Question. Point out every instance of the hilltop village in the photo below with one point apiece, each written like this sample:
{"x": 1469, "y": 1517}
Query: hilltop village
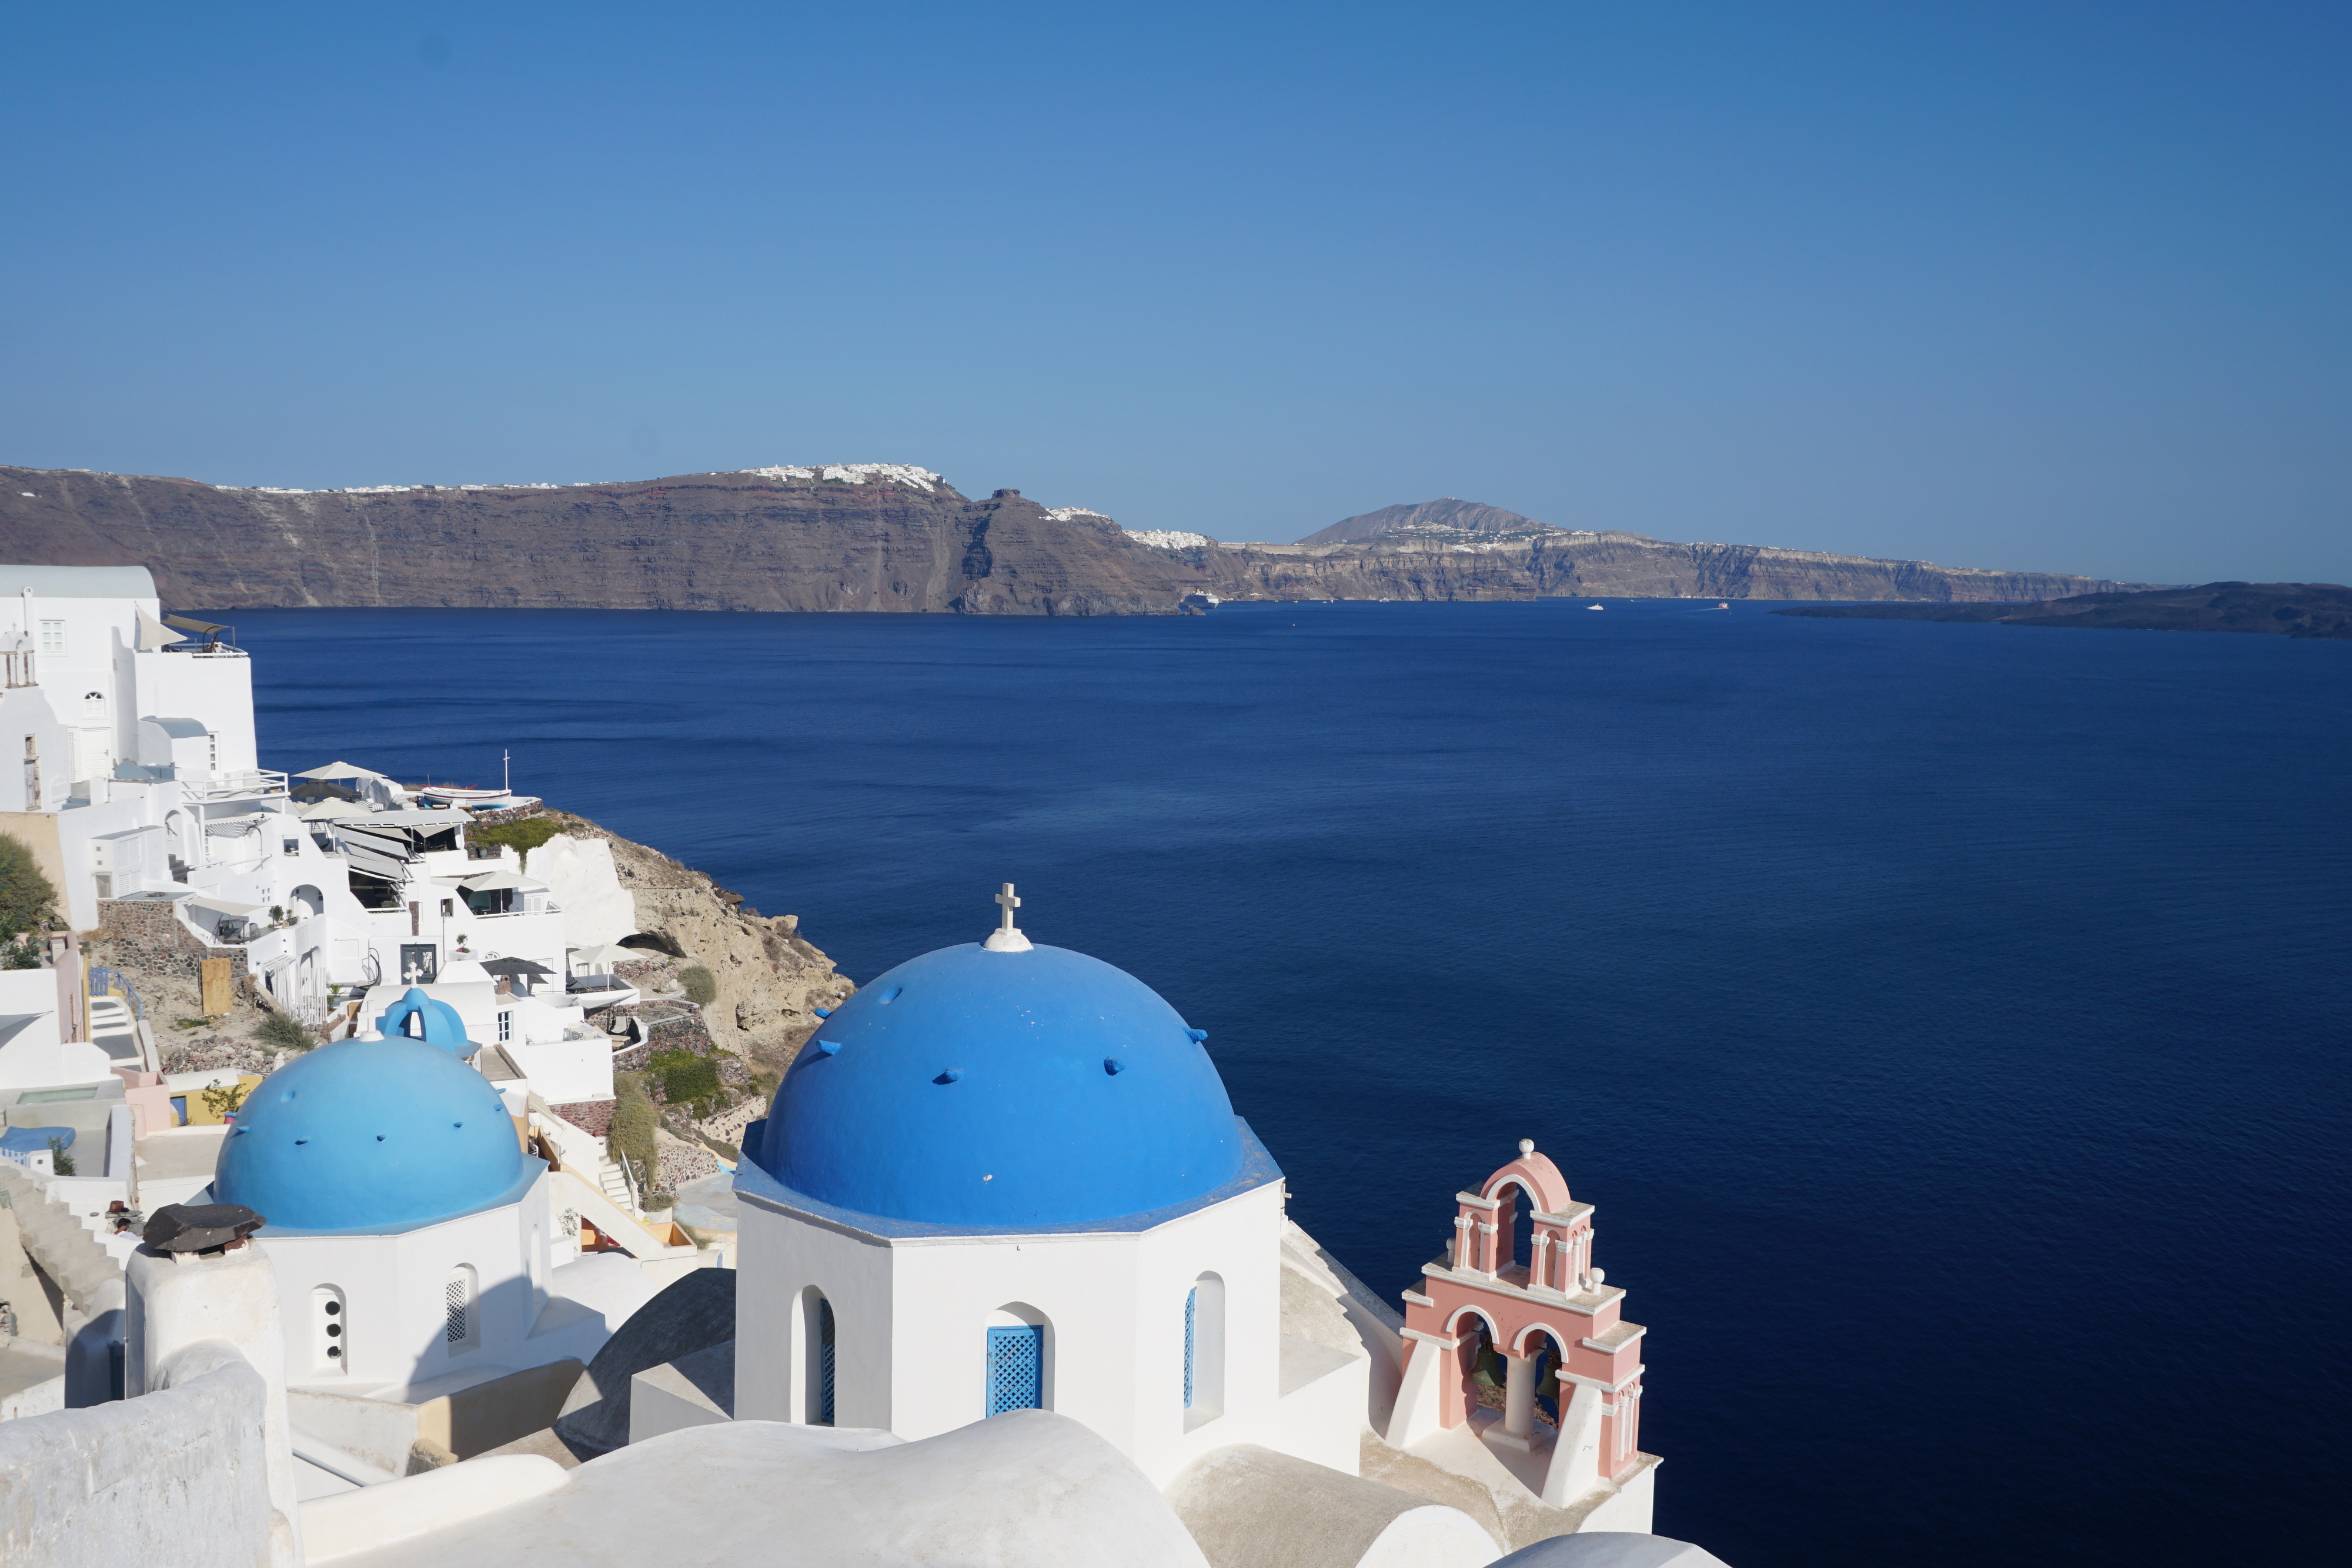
{"x": 400, "y": 1175}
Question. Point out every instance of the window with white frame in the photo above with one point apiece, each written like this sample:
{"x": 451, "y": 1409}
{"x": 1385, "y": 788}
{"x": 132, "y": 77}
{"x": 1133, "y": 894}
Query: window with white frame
{"x": 53, "y": 636}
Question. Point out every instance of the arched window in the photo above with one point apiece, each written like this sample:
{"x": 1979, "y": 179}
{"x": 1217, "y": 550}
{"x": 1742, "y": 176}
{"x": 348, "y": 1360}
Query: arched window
{"x": 1205, "y": 1351}
{"x": 462, "y": 1330}
{"x": 93, "y": 707}
{"x": 1019, "y": 1361}
{"x": 330, "y": 1332}
{"x": 819, "y": 1358}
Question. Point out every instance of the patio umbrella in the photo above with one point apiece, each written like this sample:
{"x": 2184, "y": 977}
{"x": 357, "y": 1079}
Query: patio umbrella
{"x": 327, "y": 810}
{"x": 339, "y": 770}
{"x": 606, "y": 954}
{"x": 515, "y": 967}
{"x": 491, "y": 880}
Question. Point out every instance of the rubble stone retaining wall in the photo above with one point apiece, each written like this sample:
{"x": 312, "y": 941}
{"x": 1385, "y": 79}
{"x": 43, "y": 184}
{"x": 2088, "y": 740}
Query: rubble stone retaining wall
{"x": 148, "y": 937}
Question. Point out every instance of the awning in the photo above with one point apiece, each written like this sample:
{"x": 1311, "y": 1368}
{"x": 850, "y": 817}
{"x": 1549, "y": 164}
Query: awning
{"x": 151, "y": 635}
{"x": 515, "y": 967}
{"x": 374, "y": 854}
{"x": 490, "y": 881}
{"x": 200, "y": 628}
{"x": 339, "y": 770}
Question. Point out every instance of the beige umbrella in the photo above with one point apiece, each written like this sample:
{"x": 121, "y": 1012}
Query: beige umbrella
{"x": 327, "y": 810}
{"x": 604, "y": 955}
{"x": 491, "y": 880}
{"x": 340, "y": 770}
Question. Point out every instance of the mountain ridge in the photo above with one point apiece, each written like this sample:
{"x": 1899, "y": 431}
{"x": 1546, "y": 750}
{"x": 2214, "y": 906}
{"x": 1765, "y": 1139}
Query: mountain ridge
{"x": 862, "y": 536}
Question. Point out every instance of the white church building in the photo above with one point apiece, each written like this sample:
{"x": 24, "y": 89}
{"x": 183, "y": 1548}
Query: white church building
{"x": 1007, "y": 1176}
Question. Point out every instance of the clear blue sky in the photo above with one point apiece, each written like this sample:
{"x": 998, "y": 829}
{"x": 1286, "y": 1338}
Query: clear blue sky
{"x": 2039, "y": 286}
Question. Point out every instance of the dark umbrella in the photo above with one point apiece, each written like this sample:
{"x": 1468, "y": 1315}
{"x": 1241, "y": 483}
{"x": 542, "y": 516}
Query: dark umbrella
{"x": 515, "y": 967}
{"x": 321, "y": 789}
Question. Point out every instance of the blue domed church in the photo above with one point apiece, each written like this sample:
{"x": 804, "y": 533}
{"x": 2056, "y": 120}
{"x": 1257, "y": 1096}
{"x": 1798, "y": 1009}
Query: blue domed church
{"x": 406, "y": 1225}
{"x": 1007, "y": 1176}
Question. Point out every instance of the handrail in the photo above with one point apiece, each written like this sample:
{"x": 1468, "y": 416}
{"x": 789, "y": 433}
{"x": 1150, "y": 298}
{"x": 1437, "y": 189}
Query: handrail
{"x": 107, "y": 982}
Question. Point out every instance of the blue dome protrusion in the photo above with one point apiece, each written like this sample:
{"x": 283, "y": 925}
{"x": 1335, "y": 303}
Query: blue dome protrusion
{"x": 437, "y": 1023}
{"x": 369, "y": 1135}
{"x": 1036, "y": 1131}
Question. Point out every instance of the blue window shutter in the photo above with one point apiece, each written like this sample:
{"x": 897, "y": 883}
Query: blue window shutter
{"x": 1017, "y": 1370}
{"x": 825, "y": 1363}
{"x": 1191, "y": 1305}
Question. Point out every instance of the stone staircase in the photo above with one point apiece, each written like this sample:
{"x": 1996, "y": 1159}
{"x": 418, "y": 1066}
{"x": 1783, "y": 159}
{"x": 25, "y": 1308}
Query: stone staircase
{"x": 616, "y": 1183}
{"x": 60, "y": 1241}
{"x": 114, "y": 1031}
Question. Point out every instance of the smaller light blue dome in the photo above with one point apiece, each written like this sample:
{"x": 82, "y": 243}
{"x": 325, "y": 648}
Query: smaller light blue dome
{"x": 371, "y": 1136}
{"x": 437, "y": 1023}
{"x": 1023, "y": 1090}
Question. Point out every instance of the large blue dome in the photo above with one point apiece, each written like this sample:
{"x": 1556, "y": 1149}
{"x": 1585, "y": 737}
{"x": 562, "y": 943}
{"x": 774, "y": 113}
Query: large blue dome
{"x": 1023, "y": 1090}
{"x": 369, "y": 1135}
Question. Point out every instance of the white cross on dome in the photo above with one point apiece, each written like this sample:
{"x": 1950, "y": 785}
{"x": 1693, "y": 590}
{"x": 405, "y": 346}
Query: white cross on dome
{"x": 1007, "y": 937}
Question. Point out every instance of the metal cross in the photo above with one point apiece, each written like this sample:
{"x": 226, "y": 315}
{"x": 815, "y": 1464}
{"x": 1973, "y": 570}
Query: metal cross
{"x": 1009, "y": 904}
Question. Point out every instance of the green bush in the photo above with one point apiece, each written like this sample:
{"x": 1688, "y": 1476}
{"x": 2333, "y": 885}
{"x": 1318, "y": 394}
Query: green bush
{"x": 701, "y": 985}
{"x": 522, "y": 837}
{"x": 686, "y": 1079}
{"x": 634, "y": 1120}
{"x": 20, "y": 953}
{"x": 60, "y": 1162}
{"x": 27, "y": 896}
{"x": 282, "y": 1032}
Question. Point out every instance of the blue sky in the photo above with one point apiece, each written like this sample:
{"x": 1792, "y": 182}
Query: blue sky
{"x": 2033, "y": 286}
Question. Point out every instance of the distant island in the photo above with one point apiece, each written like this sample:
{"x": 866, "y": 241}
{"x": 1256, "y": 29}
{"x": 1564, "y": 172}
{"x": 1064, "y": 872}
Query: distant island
{"x": 2279, "y": 608}
{"x": 871, "y": 537}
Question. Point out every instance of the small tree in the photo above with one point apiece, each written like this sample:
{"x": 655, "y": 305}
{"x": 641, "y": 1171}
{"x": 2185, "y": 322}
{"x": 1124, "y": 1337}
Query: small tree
{"x": 27, "y": 896}
{"x": 60, "y": 1162}
{"x": 223, "y": 1100}
{"x": 701, "y": 985}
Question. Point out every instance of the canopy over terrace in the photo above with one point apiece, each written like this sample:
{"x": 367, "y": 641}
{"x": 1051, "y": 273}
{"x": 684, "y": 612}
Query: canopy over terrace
{"x": 340, "y": 770}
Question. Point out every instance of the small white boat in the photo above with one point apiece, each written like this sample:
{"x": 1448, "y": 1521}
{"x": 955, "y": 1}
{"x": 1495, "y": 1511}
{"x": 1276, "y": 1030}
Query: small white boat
{"x": 1596, "y": 607}
{"x": 1725, "y": 605}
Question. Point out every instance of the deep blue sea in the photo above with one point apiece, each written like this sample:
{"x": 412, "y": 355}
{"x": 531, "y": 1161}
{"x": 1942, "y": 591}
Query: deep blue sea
{"x": 1950, "y": 1022}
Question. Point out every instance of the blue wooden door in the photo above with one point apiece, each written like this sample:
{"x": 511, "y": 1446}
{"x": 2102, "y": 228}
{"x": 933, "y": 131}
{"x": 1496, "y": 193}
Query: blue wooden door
{"x": 1017, "y": 1370}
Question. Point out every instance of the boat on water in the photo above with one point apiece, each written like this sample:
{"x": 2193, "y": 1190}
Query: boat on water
{"x": 1725, "y": 605}
{"x": 1596, "y": 607}
{"x": 475, "y": 799}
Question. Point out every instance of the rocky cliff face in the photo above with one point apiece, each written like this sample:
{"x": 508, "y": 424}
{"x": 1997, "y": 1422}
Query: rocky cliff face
{"x": 866, "y": 536}
{"x": 770, "y": 979}
{"x": 1604, "y": 565}
{"x": 761, "y": 540}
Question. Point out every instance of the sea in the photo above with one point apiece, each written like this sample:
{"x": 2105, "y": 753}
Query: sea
{"x": 1949, "y": 1022}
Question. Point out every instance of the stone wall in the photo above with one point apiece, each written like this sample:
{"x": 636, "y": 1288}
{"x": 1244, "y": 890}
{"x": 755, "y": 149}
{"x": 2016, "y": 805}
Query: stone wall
{"x": 149, "y": 938}
{"x": 590, "y": 1116}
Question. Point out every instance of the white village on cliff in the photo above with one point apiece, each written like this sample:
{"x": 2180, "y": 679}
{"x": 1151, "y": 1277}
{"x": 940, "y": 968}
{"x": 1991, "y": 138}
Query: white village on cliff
{"x": 990, "y": 1273}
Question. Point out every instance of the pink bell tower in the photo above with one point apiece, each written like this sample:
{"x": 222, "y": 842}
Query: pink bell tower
{"x": 1554, "y": 1321}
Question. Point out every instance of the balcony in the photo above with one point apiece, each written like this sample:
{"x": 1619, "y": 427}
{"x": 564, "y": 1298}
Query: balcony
{"x": 242, "y": 786}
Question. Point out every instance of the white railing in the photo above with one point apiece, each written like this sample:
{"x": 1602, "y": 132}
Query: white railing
{"x": 250, "y": 781}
